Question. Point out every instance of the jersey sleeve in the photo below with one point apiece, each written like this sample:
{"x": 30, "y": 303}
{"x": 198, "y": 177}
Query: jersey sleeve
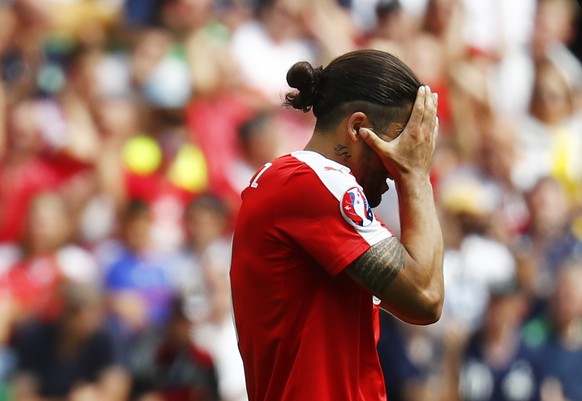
{"x": 328, "y": 216}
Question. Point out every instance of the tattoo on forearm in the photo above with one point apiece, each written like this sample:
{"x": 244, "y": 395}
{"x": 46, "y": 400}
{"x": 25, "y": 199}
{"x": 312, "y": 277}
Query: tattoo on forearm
{"x": 341, "y": 150}
{"x": 379, "y": 266}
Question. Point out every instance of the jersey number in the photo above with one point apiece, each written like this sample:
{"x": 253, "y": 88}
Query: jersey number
{"x": 255, "y": 182}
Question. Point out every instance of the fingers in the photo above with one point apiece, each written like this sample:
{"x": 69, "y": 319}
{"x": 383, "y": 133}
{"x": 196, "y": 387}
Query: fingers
{"x": 417, "y": 114}
{"x": 430, "y": 108}
{"x": 371, "y": 138}
{"x": 435, "y": 119}
{"x": 435, "y": 133}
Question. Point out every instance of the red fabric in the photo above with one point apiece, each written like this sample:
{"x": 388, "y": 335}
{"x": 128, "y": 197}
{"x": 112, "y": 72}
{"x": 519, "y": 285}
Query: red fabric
{"x": 306, "y": 332}
{"x": 18, "y": 185}
{"x": 66, "y": 167}
{"x": 34, "y": 285}
{"x": 152, "y": 187}
{"x": 444, "y": 107}
{"x": 213, "y": 124}
{"x": 166, "y": 355}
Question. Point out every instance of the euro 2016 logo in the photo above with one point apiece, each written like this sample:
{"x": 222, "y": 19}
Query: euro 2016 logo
{"x": 355, "y": 208}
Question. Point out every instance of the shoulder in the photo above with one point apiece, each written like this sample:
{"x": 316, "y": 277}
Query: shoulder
{"x": 301, "y": 168}
{"x": 336, "y": 177}
{"x": 306, "y": 177}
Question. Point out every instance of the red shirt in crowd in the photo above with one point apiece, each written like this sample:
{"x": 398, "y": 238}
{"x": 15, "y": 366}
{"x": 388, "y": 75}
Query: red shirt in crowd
{"x": 33, "y": 285}
{"x": 306, "y": 332}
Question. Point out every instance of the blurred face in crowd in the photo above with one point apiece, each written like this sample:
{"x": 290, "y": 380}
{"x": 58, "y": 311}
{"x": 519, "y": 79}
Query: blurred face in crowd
{"x": 263, "y": 143}
{"x": 23, "y": 135}
{"x": 548, "y": 207}
{"x": 8, "y": 25}
{"x": 497, "y": 149}
{"x": 117, "y": 118}
{"x": 150, "y": 50}
{"x": 82, "y": 75}
{"x": 204, "y": 225}
{"x": 184, "y": 15}
{"x": 391, "y": 25}
{"x": 425, "y": 56}
{"x": 505, "y": 310}
{"x": 87, "y": 319}
{"x": 438, "y": 15}
{"x": 137, "y": 231}
{"x": 83, "y": 310}
{"x": 567, "y": 297}
{"x": 553, "y": 23}
{"x": 48, "y": 223}
{"x": 282, "y": 19}
{"x": 551, "y": 99}
{"x": 179, "y": 329}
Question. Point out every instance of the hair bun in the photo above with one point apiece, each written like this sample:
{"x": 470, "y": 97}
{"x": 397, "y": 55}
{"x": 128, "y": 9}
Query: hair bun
{"x": 306, "y": 79}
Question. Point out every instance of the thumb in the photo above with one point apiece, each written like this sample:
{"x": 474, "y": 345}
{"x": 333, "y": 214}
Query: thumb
{"x": 368, "y": 136}
{"x": 372, "y": 139}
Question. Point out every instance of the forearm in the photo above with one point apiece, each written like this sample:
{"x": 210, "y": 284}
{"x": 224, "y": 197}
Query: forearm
{"x": 420, "y": 228}
{"x": 422, "y": 239}
{"x": 408, "y": 274}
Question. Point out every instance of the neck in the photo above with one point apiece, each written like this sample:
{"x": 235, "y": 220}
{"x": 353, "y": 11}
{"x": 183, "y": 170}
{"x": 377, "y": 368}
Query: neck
{"x": 331, "y": 147}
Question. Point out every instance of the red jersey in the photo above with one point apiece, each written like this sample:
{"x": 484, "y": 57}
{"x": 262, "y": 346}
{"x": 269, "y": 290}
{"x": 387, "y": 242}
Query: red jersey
{"x": 306, "y": 332}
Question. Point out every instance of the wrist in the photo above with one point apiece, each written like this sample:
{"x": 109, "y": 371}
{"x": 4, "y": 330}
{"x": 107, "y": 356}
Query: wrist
{"x": 413, "y": 183}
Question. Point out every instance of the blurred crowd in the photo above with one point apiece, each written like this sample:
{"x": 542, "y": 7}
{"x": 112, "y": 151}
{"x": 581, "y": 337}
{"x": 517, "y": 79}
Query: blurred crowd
{"x": 129, "y": 127}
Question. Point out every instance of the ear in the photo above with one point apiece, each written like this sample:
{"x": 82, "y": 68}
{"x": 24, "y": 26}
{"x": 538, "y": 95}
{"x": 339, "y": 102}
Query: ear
{"x": 353, "y": 124}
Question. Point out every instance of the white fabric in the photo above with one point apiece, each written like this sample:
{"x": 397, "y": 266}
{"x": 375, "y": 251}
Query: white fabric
{"x": 469, "y": 272}
{"x": 264, "y": 63}
{"x": 338, "y": 180}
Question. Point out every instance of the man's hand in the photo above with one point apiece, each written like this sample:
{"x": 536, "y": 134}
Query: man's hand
{"x": 411, "y": 152}
{"x": 408, "y": 276}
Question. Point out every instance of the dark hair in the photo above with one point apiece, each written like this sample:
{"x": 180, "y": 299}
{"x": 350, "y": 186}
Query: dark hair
{"x": 134, "y": 209}
{"x": 253, "y": 126}
{"x": 372, "y": 81}
{"x": 208, "y": 201}
{"x": 384, "y": 7}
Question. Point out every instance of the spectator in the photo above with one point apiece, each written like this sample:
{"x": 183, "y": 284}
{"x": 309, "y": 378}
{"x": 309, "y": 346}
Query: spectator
{"x": 265, "y": 48}
{"x": 553, "y": 134}
{"x": 23, "y": 171}
{"x": 72, "y": 357}
{"x": 202, "y": 278}
{"x": 167, "y": 365}
{"x": 496, "y": 364}
{"x": 557, "y": 338}
{"x": 102, "y": 102}
{"x": 390, "y": 29}
{"x": 202, "y": 268}
{"x": 137, "y": 281}
{"x": 547, "y": 240}
{"x": 401, "y": 375}
{"x": 35, "y": 269}
{"x": 260, "y": 142}
{"x": 554, "y": 26}
{"x": 474, "y": 260}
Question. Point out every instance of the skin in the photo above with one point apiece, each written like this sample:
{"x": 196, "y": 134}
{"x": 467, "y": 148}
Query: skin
{"x": 406, "y": 274}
